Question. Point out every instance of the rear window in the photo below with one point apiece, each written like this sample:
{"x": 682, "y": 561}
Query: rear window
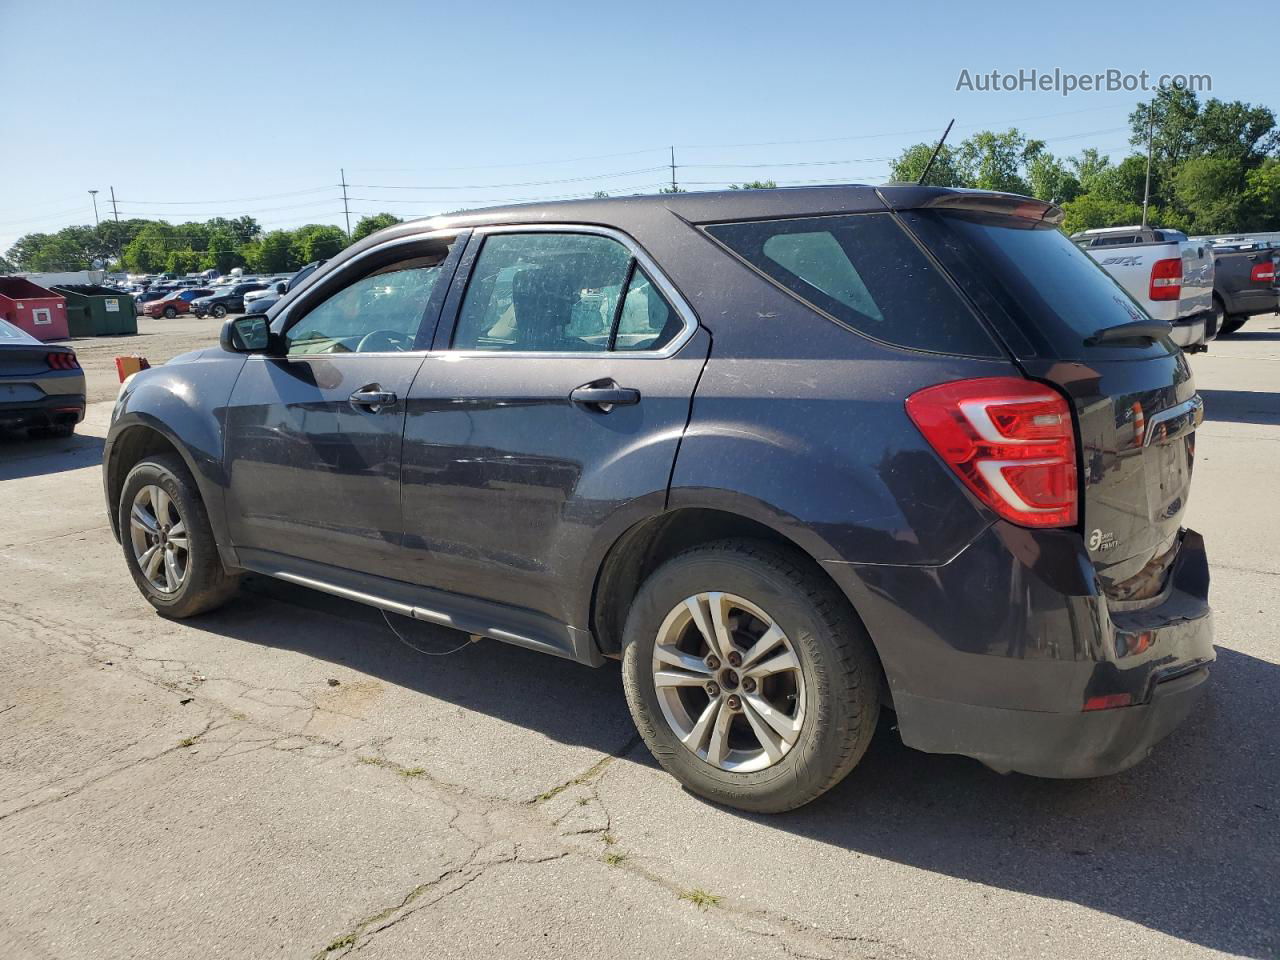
{"x": 866, "y": 273}
{"x": 1028, "y": 274}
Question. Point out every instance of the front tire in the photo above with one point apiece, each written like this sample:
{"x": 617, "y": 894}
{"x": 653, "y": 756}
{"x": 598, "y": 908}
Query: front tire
{"x": 170, "y": 313}
{"x": 749, "y": 677}
{"x": 168, "y": 543}
{"x": 219, "y": 311}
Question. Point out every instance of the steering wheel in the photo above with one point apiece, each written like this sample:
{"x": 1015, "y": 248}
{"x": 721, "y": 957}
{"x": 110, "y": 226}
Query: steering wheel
{"x": 383, "y": 341}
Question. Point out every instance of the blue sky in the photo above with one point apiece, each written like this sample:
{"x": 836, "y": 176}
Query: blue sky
{"x": 236, "y": 108}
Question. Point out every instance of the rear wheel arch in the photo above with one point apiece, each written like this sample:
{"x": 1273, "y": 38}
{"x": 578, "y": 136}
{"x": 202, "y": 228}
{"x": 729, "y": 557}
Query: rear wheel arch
{"x": 647, "y": 545}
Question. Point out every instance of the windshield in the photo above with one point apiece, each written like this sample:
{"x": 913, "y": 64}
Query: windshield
{"x": 1028, "y": 274}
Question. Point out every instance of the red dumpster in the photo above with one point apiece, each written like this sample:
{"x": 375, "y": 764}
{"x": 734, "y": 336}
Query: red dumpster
{"x": 40, "y": 312}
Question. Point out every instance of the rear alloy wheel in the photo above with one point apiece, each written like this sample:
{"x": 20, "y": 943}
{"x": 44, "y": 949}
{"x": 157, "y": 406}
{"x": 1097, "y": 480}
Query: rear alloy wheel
{"x": 168, "y": 543}
{"x": 749, "y": 677}
{"x": 170, "y": 313}
{"x": 219, "y": 311}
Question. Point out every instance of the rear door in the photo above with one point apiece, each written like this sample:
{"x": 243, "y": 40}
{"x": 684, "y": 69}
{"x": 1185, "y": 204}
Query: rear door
{"x": 1135, "y": 400}
{"x": 551, "y": 409}
{"x": 313, "y": 435}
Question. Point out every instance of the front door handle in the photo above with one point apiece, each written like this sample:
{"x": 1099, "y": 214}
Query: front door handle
{"x": 604, "y": 395}
{"x": 372, "y": 398}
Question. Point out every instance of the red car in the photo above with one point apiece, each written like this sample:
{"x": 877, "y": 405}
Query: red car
{"x": 177, "y": 302}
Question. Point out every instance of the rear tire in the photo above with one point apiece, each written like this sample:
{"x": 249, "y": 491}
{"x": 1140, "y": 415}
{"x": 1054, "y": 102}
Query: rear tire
{"x": 166, "y": 498}
{"x": 170, "y": 313}
{"x": 1231, "y": 324}
{"x": 832, "y": 692}
{"x": 219, "y": 311}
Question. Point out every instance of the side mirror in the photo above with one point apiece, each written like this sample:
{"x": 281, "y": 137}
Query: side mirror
{"x": 250, "y": 333}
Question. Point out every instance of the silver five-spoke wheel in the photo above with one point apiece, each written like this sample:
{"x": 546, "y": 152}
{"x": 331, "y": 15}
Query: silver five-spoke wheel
{"x": 728, "y": 682}
{"x": 161, "y": 544}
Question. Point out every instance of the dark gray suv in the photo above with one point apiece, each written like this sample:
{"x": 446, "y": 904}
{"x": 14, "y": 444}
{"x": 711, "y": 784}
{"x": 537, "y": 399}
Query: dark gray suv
{"x": 792, "y": 456}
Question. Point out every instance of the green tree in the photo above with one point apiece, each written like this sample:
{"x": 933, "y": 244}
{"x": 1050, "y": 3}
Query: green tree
{"x": 317, "y": 241}
{"x": 274, "y": 253}
{"x": 754, "y": 185}
{"x": 1090, "y": 211}
{"x": 1124, "y": 182}
{"x": 373, "y": 223}
{"x": 913, "y": 160}
{"x": 222, "y": 254}
{"x": 1261, "y": 208}
{"x": 1089, "y": 166}
{"x": 182, "y": 261}
{"x": 1050, "y": 179}
{"x": 1208, "y": 189}
{"x": 994, "y": 161}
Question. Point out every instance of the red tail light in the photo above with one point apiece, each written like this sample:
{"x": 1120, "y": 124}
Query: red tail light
{"x": 1166, "y": 279}
{"x": 1263, "y": 273}
{"x": 62, "y": 361}
{"x": 1010, "y": 440}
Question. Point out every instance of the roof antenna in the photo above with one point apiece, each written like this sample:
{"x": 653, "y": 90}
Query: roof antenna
{"x": 929, "y": 165}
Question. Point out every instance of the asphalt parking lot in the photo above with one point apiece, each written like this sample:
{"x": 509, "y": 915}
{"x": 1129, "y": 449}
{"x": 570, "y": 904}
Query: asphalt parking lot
{"x": 286, "y": 777}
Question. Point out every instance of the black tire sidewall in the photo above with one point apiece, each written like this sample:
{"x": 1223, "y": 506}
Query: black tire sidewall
{"x": 170, "y": 313}
{"x": 807, "y": 768}
{"x": 219, "y": 312}
{"x": 175, "y": 480}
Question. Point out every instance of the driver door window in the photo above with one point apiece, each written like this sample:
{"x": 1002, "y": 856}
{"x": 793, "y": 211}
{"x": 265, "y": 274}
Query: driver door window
{"x": 379, "y": 313}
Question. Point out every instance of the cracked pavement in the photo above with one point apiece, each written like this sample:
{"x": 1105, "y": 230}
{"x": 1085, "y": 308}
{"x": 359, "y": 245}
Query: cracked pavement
{"x": 287, "y": 778}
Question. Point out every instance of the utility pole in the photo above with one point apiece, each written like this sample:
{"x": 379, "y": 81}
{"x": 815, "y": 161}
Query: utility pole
{"x": 674, "y": 188}
{"x": 94, "y": 194}
{"x": 1146, "y": 190}
{"x": 114, "y": 209}
{"x": 346, "y": 210}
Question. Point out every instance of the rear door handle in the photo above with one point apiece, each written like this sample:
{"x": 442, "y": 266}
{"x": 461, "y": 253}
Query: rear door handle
{"x": 373, "y": 398}
{"x": 604, "y": 395}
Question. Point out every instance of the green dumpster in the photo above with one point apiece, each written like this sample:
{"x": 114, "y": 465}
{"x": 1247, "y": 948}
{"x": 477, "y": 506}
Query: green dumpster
{"x": 94, "y": 311}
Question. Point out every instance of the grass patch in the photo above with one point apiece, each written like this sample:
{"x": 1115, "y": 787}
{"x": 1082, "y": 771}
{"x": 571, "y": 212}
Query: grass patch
{"x": 342, "y": 942}
{"x": 187, "y": 742}
{"x": 701, "y": 898}
{"x": 409, "y": 773}
{"x": 609, "y": 839}
{"x": 412, "y": 772}
{"x": 614, "y": 857}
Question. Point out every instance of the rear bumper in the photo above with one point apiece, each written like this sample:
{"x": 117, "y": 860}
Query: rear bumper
{"x": 1190, "y": 333}
{"x": 53, "y": 410}
{"x": 995, "y": 654}
{"x": 1052, "y": 744}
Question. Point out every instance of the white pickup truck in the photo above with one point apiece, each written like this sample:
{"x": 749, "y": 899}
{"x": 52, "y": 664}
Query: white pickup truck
{"x": 1169, "y": 275}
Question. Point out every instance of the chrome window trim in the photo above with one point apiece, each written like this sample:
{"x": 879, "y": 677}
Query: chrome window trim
{"x": 678, "y": 303}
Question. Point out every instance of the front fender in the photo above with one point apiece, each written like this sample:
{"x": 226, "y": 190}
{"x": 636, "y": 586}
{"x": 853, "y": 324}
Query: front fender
{"x": 185, "y": 403}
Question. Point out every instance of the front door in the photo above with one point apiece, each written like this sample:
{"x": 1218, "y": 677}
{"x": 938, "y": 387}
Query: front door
{"x": 313, "y": 435}
{"x": 556, "y": 402}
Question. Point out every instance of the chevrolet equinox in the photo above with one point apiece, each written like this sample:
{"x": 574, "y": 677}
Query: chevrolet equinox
{"x": 791, "y": 456}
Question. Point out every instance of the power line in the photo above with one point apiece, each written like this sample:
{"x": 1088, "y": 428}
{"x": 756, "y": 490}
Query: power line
{"x": 500, "y": 186}
{"x": 265, "y": 196}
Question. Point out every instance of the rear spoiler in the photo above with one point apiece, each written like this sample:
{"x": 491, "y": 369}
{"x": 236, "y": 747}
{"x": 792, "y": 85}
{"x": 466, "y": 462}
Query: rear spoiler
{"x": 972, "y": 201}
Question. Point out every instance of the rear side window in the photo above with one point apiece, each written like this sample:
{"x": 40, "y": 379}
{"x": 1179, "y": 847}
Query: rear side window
{"x": 866, "y": 273}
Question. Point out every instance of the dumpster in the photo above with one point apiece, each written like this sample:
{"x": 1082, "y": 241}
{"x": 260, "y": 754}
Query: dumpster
{"x": 94, "y": 311}
{"x": 40, "y": 312}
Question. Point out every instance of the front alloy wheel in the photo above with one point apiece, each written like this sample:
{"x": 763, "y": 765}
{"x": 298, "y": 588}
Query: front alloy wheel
{"x": 728, "y": 682}
{"x": 160, "y": 542}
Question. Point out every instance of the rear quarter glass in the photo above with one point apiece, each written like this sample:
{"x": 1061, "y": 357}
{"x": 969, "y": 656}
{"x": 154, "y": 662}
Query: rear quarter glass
{"x": 866, "y": 273}
{"x": 1044, "y": 294}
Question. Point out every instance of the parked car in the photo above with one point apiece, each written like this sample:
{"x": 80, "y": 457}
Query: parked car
{"x": 273, "y": 288}
{"x": 41, "y": 384}
{"x": 176, "y": 302}
{"x": 1245, "y": 282}
{"x": 264, "y": 300}
{"x": 790, "y": 455}
{"x": 1170, "y": 276}
{"x": 229, "y": 300}
{"x": 141, "y": 300}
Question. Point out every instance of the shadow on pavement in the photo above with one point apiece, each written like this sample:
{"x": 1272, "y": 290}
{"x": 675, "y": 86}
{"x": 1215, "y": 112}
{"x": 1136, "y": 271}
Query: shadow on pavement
{"x": 1185, "y": 844}
{"x": 1241, "y": 406}
{"x": 35, "y": 456}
